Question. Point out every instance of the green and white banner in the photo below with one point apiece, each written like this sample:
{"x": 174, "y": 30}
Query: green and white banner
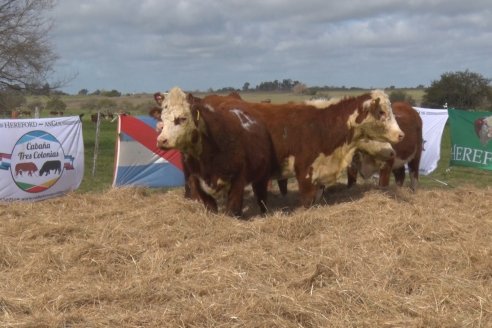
{"x": 471, "y": 138}
{"x": 40, "y": 158}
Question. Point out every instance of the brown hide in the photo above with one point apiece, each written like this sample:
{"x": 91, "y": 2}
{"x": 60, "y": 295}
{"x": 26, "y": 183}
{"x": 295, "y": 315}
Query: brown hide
{"x": 216, "y": 101}
{"x": 230, "y": 153}
{"x": 408, "y": 151}
{"x": 189, "y": 163}
{"x": 304, "y": 132}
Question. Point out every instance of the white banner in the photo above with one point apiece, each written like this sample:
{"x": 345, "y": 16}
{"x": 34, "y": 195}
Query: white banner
{"x": 40, "y": 158}
{"x": 433, "y": 121}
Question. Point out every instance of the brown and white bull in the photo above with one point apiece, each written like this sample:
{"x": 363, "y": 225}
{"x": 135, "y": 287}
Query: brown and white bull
{"x": 189, "y": 162}
{"x": 225, "y": 150}
{"x": 408, "y": 152}
{"x": 316, "y": 144}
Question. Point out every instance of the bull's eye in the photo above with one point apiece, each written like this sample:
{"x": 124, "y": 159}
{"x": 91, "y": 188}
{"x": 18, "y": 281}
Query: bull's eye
{"x": 179, "y": 120}
{"x": 382, "y": 114}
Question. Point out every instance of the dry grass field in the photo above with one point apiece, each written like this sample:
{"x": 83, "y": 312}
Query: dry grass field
{"x": 366, "y": 257}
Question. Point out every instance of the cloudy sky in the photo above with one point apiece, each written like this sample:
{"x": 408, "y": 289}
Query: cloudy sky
{"x": 150, "y": 45}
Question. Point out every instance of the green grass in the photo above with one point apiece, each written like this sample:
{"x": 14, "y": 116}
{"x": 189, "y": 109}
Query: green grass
{"x": 443, "y": 177}
{"x": 104, "y": 165}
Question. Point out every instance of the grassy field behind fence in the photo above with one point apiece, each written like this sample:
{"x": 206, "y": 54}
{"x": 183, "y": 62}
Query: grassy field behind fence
{"x": 443, "y": 177}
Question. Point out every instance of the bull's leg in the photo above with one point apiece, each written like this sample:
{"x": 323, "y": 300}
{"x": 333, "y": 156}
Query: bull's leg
{"x": 193, "y": 187}
{"x": 187, "y": 178}
{"x": 413, "y": 172}
{"x": 260, "y": 189}
{"x": 399, "y": 174}
{"x": 198, "y": 194}
{"x": 385, "y": 173}
{"x": 234, "y": 205}
{"x": 282, "y": 186}
{"x": 187, "y": 193}
{"x": 307, "y": 190}
{"x": 351, "y": 175}
{"x": 209, "y": 202}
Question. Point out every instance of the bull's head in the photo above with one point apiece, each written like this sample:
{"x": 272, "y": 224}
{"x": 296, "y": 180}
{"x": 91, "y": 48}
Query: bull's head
{"x": 376, "y": 121}
{"x": 180, "y": 119}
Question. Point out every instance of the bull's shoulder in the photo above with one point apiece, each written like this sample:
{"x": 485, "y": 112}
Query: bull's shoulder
{"x": 406, "y": 114}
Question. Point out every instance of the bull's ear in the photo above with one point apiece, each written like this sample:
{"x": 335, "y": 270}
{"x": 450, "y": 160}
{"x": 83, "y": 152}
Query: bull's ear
{"x": 375, "y": 103}
{"x": 195, "y": 112}
{"x": 192, "y": 99}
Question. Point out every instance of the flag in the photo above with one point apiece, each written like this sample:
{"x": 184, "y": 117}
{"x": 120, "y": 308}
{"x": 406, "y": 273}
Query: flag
{"x": 5, "y": 161}
{"x": 138, "y": 161}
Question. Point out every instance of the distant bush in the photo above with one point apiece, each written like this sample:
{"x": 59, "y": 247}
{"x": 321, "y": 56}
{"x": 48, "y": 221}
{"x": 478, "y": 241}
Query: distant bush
{"x": 465, "y": 90}
{"x": 399, "y": 95}
{"x": 105, "y": 93}
{"x": 56, "y": 104}
{"x": 112, "y": 93}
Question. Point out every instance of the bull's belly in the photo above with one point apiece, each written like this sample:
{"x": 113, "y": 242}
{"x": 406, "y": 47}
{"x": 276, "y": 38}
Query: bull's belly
{"x": 400, "y": 162}
{"x": 325, "y": 169}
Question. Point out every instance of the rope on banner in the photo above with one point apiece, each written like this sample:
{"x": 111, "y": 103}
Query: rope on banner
{"x": 439, "y": 181}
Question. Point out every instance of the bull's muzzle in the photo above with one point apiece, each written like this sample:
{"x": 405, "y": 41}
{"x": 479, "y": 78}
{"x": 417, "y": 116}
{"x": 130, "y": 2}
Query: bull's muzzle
{"x": 162, "y": 144}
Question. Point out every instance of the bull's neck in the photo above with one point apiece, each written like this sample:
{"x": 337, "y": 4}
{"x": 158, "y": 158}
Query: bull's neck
{"x": 203, "y": 147}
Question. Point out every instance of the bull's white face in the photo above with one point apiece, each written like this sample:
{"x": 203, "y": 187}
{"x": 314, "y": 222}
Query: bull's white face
{"x": 379, "y": 150}
{"x": 380, "y": 123}
{"x": 178, "y": 126}
{"x": 368, "y": 166}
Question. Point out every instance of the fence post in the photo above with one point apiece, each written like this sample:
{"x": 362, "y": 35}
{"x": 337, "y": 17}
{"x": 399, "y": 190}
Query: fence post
{"x": 96, "y": 143}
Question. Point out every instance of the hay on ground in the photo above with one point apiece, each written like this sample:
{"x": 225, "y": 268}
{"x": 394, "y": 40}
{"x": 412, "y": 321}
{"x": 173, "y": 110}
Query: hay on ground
{"x": 135, "y": 258}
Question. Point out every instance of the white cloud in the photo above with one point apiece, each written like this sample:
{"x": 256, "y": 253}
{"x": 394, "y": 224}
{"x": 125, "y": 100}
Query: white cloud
{"x": 150, "y": 45}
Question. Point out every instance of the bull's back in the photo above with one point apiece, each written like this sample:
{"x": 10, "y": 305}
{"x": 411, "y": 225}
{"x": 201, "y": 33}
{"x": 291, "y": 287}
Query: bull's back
{"x": 290, "y": 126}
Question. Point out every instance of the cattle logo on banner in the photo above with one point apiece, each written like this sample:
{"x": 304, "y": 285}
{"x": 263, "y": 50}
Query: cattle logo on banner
{"x": 37, "y": 161}
{"x": 483, "y": 128}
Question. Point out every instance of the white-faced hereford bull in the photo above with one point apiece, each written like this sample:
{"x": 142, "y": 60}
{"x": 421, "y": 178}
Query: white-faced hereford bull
{"x": 224, "y": 151}
{"x": 316, "y": 144}
{"x": 407, "y": 152}
{"x": 189, "y": 162}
